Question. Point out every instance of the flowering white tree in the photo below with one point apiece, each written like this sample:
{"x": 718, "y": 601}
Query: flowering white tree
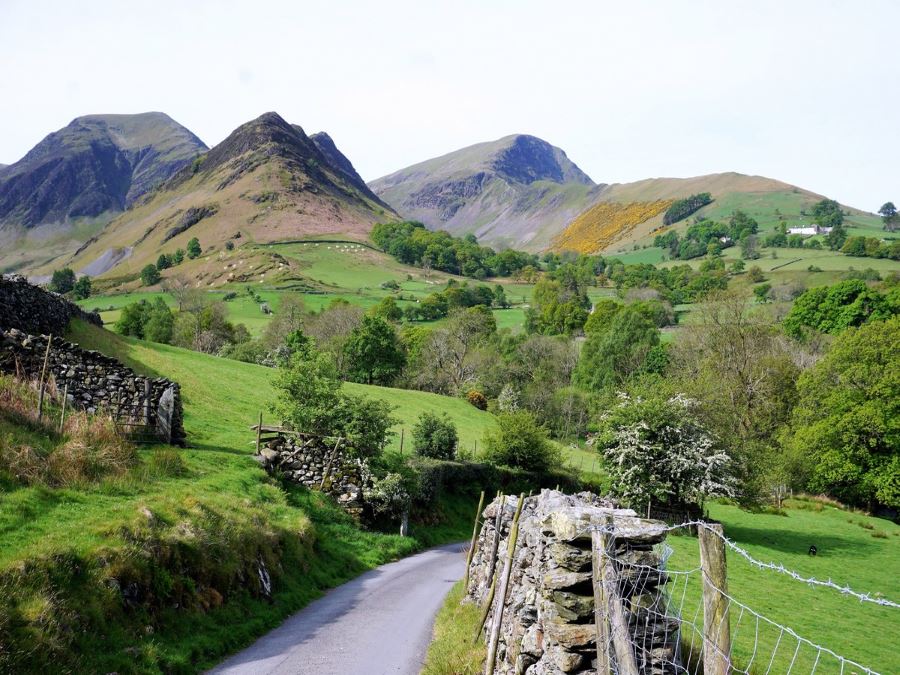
{"x": 656, "y": 449}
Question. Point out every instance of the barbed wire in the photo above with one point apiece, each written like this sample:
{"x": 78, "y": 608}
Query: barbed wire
{"x": 674, "y": 609}
{"x": 776, "y": 567}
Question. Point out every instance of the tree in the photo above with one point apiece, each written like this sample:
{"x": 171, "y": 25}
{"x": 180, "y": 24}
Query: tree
{"x": 82, "y": 288}
{"x": 374, "y": 353}
{"x": 658, "y": 450}
{"x": 610, "y": 357}
{"x": 150, "y": 275}
{"x": 836, "y": 238}
{"x": 831, "y": 309}
{"x": 435, "y": 436}
{"x": 132, "y": 319}
{"x": 310, "y": 397}
{"x": 449, "y": 360}
{"x": 163, "y": 262}
{"x": 827, "y": 213}
{"x": 519, "y": 441}
{"x": 734, "y": 362}
{"x": 159, "y": 323}
{"x": 755, "y": 275}
{"x": 889, "y": 216}
{"x": 178, "y": 256}
{"x": 557, "y": 308}
{"x": 846, "y": 425}
{"x": 749, "y": 247}
{"x": 762, "y": 292}
{"x": 388, "y": 309}
{"x": 62, "y": 281}
{"x": 193, "y": 248}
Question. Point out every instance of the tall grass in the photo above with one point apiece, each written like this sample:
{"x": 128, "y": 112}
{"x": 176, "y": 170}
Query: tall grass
{"x": 87, "y": 448}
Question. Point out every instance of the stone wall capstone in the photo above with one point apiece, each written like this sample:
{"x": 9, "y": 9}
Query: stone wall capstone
{"x": 33, "y": 310}
{"x": 548, "y": 621}
{"x": 95, "y": 382}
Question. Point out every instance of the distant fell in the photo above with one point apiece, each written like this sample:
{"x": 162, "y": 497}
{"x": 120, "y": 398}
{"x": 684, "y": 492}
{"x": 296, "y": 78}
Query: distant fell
{"x": 95, "y": 164}
{"x": 508, "y": 192}
{"x": 267, "y": 181}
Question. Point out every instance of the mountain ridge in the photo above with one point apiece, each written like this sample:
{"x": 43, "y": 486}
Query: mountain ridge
{"x": 267, "y": 181}
{"x": 501, "y": 190}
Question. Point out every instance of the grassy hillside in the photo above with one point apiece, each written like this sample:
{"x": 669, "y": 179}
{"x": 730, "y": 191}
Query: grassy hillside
{"x": 316, "y": 270}
{"x": 188, "y": 528}
{"x": 853, "y": 549}
{"x": 218, "y": 422}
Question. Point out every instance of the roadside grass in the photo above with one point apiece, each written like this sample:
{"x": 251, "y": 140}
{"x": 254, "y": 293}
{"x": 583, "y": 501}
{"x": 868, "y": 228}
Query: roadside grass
{"x": 452, "y": 651}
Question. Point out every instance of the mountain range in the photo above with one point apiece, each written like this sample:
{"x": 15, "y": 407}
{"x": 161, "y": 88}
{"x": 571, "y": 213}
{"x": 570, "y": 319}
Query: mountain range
{"x": 114, "y": 191}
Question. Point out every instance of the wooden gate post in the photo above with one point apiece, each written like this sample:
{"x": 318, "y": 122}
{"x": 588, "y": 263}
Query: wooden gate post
{"x": 43, "y": 377}
{"x": 716, "y": 624}
{"x": 62, "y": 414}
{"x": 472, "y": 544}
{"x": 258, "y": 432}
{"x": 497, "y": 623}
{"x": 147, "y": 402}
{"x": 495, "y": 544}
{"x": 618, "y": 624}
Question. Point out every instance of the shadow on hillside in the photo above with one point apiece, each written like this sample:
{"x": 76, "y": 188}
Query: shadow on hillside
{"x": 797, "y": 541}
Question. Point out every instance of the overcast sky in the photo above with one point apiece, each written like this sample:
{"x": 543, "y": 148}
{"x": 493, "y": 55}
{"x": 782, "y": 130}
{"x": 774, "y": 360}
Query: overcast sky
{"x": 807, "y": 92}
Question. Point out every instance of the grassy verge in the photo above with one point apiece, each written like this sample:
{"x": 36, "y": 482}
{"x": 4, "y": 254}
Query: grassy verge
{"x": 452, "y": 651}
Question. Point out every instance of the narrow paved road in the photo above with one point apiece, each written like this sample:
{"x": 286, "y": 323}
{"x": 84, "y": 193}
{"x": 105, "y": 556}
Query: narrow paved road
{"x": 378, "y": 623}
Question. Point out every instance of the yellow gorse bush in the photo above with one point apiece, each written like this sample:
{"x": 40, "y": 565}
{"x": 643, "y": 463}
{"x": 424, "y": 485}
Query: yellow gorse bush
{"x": 605, "y": 223}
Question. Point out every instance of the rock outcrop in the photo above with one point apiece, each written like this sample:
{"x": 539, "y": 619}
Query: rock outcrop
{"x": 548, "y": 619}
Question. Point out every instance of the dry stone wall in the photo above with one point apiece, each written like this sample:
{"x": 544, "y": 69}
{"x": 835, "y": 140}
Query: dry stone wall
{"x": 306, "y": 461}
{"x": 96, "y": 382}
{"x": 33, "y": 310}
{"x": 29, "y": 314}
{"x": 548, "y": 619}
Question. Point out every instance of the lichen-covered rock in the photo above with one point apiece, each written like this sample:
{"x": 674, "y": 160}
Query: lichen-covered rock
{"x": 548, "y": 623}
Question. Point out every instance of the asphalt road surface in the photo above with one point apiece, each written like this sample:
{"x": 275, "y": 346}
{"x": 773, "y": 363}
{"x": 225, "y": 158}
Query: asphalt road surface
{"x": 378, "y": 623}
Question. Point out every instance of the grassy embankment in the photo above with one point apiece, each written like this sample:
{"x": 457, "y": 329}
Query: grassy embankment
{"x": 184, "y": 533}
{"x": 853, "y": 549}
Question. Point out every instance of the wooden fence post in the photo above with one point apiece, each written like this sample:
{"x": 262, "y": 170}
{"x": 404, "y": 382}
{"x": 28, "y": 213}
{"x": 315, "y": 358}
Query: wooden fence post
{"x": 327, "y": 473}
{"x": 147, "y": 402}
{"x": 43, "y": 376}
{"x": 598, "y": 552}
{"x": 495, "y": 545}
{"x": 258, "y": 431}
{"x": 497, "y": 623}
{"x": 62, "y": 414}
{"x": 618, "y": 625}
{"x": 716, "y": 623}
{"x": 472, "y": 544}
{"x": 401, "y": 440}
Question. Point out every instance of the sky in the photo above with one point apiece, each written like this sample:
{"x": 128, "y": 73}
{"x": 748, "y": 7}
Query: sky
{"x": 806, "y": 92}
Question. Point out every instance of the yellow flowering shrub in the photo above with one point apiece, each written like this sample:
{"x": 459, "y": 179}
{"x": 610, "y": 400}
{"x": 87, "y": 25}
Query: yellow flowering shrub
{"x": 605, "y": 223}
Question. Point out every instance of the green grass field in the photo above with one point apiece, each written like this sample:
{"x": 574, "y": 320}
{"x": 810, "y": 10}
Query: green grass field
{"x": 853, "y": 549}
